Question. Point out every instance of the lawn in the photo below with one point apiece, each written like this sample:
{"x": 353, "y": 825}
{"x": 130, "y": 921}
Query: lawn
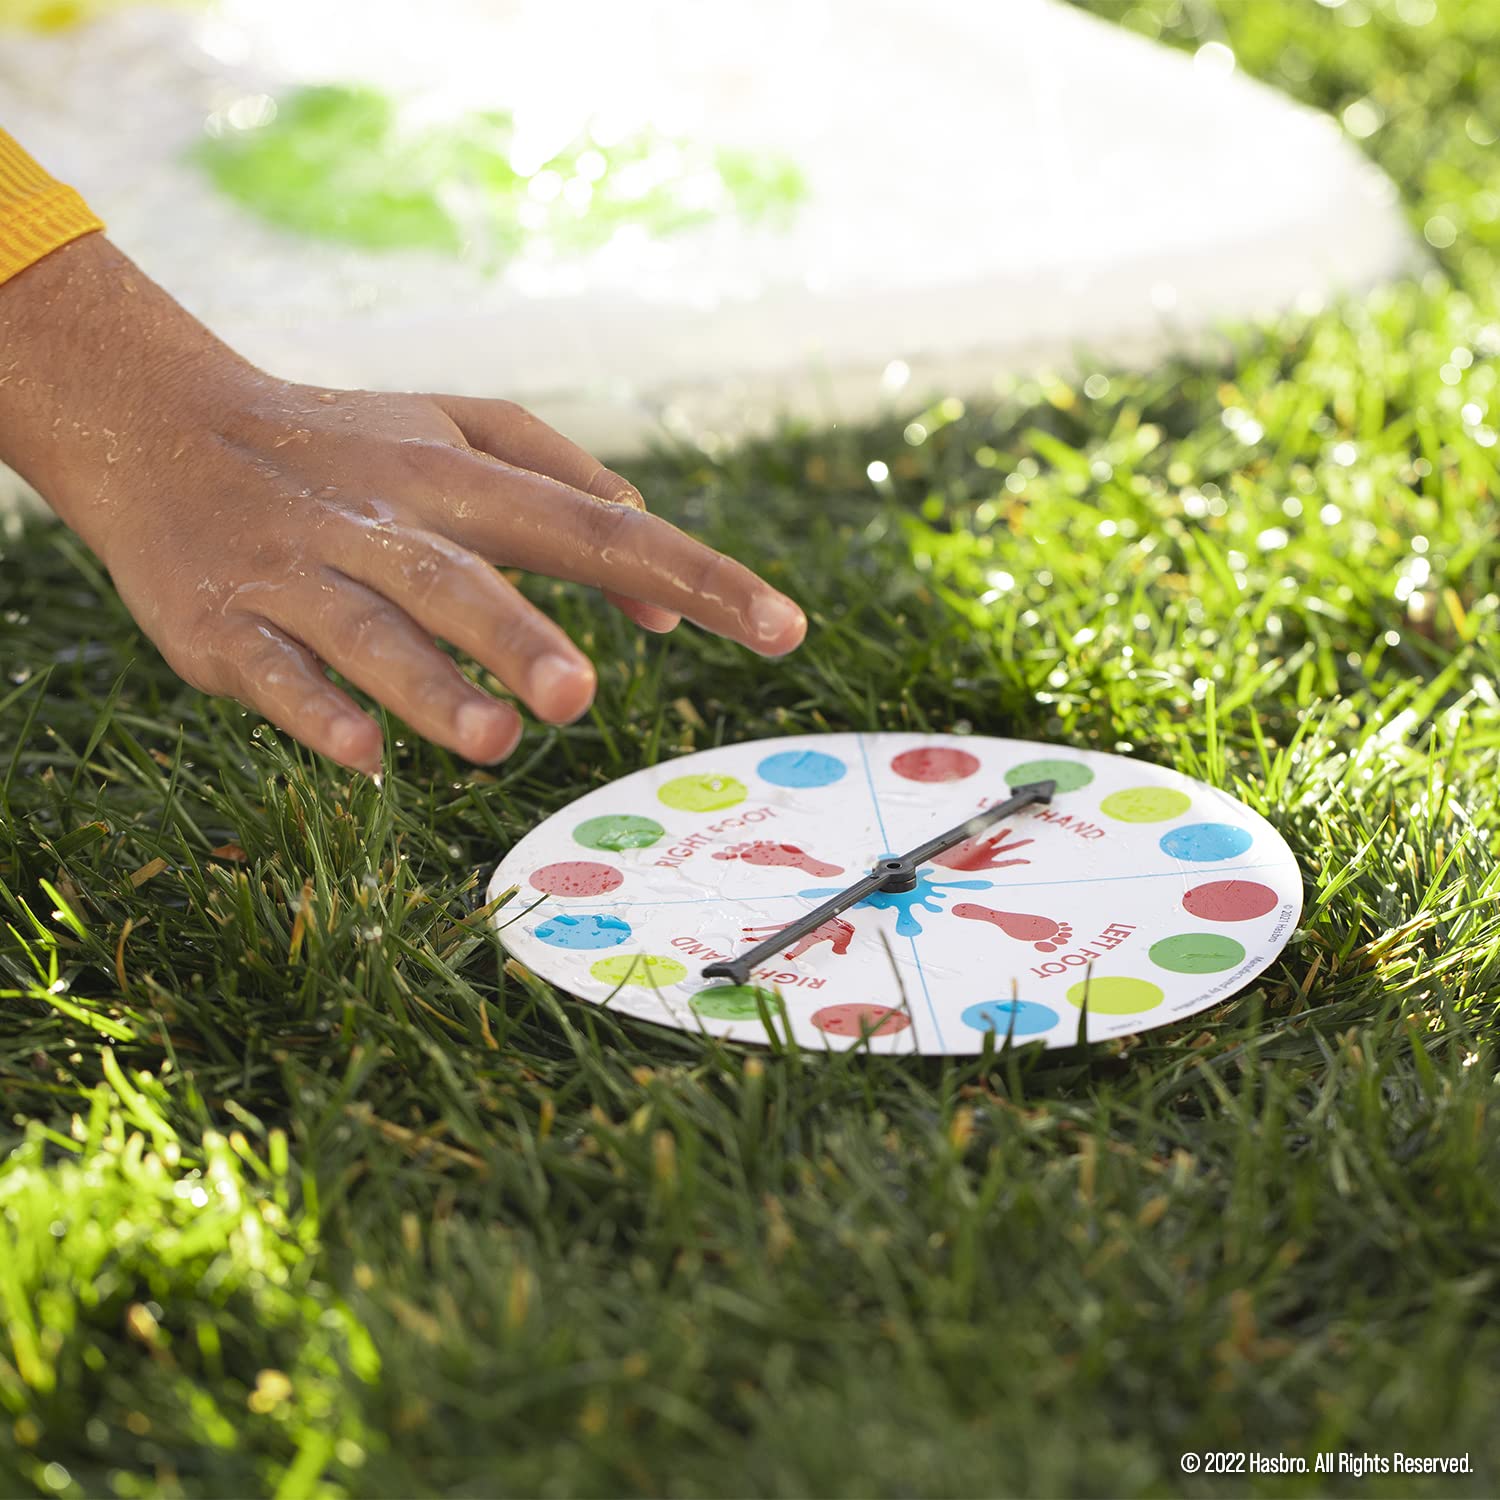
{"x": 303, "y": 1193}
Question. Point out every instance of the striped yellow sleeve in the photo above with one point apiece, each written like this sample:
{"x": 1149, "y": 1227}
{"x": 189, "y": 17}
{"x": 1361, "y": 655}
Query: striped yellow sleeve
{"x": 37, "y": 213}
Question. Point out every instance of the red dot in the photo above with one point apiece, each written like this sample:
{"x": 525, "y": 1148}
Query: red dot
{"x": 1230, "y": 900}
{"x": 858, "y": 1020}
{"x": 935, "y": 764}
{"x": 577, "y": 877}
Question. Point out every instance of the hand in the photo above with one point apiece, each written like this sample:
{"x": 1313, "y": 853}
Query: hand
{"x": 262, "y": 531}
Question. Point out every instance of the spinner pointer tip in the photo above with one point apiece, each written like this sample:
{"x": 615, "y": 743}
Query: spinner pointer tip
{"x": 725, "y": 970}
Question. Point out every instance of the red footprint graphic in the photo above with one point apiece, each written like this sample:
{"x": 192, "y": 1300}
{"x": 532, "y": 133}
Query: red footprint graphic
{"x": 1045, "y": 935}
{"x": 835, "y": 931}
{"x": 763, "y": 852}
{"x": 978, "y": 853}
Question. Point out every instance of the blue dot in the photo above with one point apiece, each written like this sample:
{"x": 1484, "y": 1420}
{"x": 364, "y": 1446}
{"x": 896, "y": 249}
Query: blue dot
{"x": 801, "y": 768}
{"x": 995, "y": 1015}
{"x": 567, "y": 930}
{"x": 1202, "y": 842}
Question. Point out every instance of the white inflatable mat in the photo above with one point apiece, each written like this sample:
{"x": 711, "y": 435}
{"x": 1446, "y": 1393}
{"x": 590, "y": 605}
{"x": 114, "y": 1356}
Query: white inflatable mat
{"x": 985, "y": 188}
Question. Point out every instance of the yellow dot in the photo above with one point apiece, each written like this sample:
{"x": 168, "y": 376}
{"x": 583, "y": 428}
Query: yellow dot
{"x": 1145, "y": 804}
{"x": 1117, "y": 996}
{"x": 649, "y": 970}
{"x": 702, "y": 793}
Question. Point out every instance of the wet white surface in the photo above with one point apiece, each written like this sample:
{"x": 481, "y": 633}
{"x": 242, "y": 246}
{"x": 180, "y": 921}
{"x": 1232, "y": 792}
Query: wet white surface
{"x": 992, "y": 188}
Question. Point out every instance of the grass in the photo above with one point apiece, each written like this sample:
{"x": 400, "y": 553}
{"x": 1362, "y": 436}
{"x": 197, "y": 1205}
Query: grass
{"x": 305, "y": 1194}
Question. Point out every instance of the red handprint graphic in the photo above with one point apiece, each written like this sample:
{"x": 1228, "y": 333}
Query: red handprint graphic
{"x": 834, "y": 931}
{"x": 978, "y": 853}
{"x": 763, "y": 852}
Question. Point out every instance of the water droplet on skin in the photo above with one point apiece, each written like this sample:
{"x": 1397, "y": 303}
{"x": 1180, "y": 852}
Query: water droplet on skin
{"x": 327, "y": 397}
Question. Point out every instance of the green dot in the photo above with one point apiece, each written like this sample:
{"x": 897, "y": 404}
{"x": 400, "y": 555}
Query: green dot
{"x": 618, "y": 831}
{"x": 706, "y": 793}
{"x": 1068, "y": 774}
{"x": 1117, "y": 996}
{"x": 1197, "y": 953}
{"x": 1146, "y": 804}
{"x": 735, "y": 1002}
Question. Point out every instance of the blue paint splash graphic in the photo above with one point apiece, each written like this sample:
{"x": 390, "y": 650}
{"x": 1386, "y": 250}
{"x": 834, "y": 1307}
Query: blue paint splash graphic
{"x": 927, "y": 895}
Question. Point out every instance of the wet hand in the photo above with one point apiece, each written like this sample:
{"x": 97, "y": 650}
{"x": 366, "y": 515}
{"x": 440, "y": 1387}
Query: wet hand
{"x": 294, "y": 529}
{"x": 262, "y": 532}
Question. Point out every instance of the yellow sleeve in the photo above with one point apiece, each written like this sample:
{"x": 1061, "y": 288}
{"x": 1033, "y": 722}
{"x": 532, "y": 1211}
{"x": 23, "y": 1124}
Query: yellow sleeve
{"x": 37, "y": 213}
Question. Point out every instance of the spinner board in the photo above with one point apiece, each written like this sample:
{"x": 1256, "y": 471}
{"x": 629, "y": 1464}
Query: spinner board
{"x": 1149, "y": 894}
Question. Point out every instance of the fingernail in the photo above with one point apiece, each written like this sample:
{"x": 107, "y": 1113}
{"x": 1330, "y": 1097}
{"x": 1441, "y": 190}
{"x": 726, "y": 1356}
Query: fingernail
{"x": 350, "y": 744}
{"x": 772, "y": 615}
{"x": 479, "y": 725}
{"x": 557, "y": 674}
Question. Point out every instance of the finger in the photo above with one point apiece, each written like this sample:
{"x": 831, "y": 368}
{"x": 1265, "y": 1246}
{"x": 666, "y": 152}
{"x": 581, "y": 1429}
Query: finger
{"x": 510, "y": 432}
{"x": 279, "y": 677}
{"x": 647, "y": 616}
{"x": 380, "y": 649}
{"x": 527, "y": 520}
{"x": 460, "y": 598}
{"x": 513, "y": 434}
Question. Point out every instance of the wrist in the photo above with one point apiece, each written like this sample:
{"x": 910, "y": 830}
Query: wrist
{"x": 97, "y": 357}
